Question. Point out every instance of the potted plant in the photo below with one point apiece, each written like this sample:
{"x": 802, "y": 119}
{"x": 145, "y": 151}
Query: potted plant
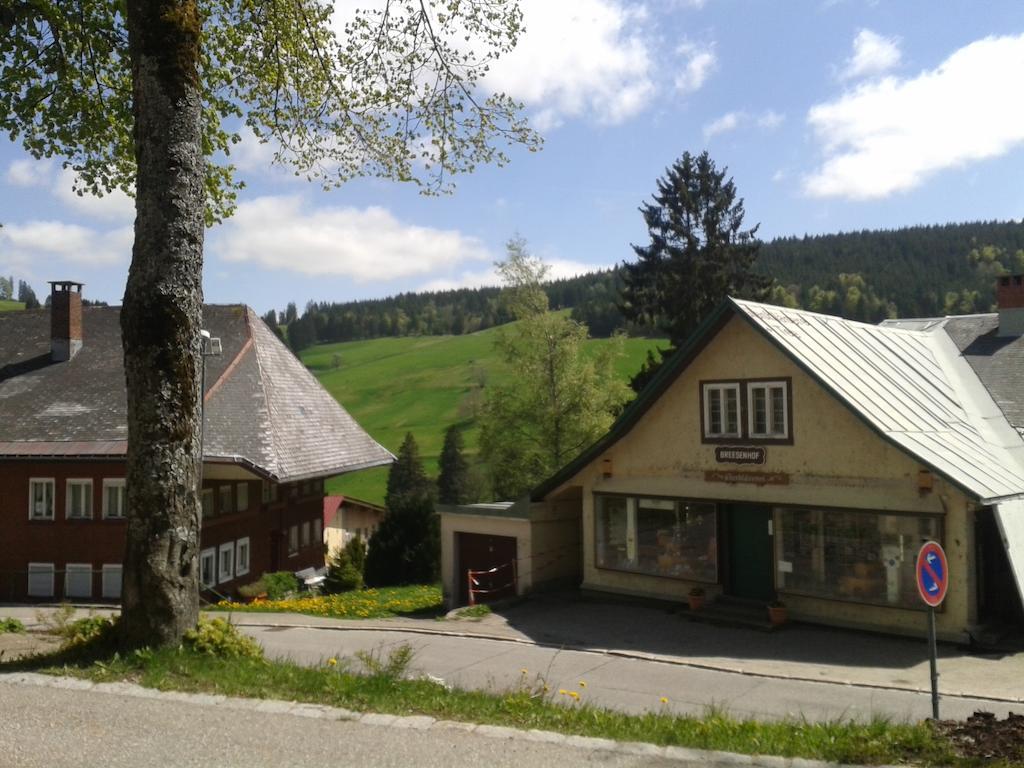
{"x": 777, "y": 613}
{"x": 696, "y": 598}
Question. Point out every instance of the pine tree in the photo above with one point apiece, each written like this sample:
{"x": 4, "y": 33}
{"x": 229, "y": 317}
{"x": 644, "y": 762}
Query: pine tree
{"x": 27, "y": 296}
{"x": 699, "y": 252}
{"x": 453, "y": 481}
{"x": 407, "y": 476}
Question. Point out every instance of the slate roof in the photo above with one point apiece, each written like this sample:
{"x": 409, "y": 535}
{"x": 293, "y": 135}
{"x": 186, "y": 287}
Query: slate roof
{"x": 264, "y": 409}
{"x": 911, "y": 385}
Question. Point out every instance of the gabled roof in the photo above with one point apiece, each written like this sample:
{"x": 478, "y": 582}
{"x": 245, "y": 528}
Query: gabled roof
{"x": 912, "y": 387}
{"x": 264, "y": 409}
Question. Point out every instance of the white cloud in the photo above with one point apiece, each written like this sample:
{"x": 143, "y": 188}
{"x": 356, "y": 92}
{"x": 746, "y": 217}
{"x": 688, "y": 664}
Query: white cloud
{"x": 770, "y": 119}
{"x": 39, "y": 242}
{"x": 587, "y": 58}
{"x": 890, "y": 135}
{"x": 113, "y": 206}
{"x": 29, "y": 172}
{"x": 698, "y": 64}
{"x": 730, "y": 121}
{"x": 369, "y": 244}
{"x": 873, "y": 54}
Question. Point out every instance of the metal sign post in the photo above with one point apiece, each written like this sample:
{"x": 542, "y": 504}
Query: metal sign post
{"x": 932, "y": 572}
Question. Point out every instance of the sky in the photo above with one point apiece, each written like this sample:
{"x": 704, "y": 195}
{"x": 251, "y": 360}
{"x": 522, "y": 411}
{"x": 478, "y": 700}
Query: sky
{"x": 830, "y": 115}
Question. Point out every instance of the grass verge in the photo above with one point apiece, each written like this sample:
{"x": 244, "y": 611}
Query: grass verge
{"x": 421, "y": 600}
{"x": 530, "y": 705}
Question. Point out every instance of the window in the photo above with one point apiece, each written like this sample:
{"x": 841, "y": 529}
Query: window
{"x": 40, "y": 499}
{"x": 661, "y": 537}
{"x": 305, "y": 534}
{"x": 78, "y": 500}
{"x": 242, "y": 556}
{"x": 225, "y": 499}
{"x": 241, "y": 497}
{"x": 265, "y": 485}
{"x": 207, "y": 497}
{"x": 78, "y": 580}
{"x": 293, "y": 540}
{"x": 318, "y": 531}
{"x": 721, "y": 410}
{"x": 112, "y": 582}
{"x": 40, "y": 579}
{"x": 859, "y": 556}
{"x": 768, "y": 409}
{"x": 208, "y": 567}
{"x": 114, "y": 498}
{"x": 226, "y": 562}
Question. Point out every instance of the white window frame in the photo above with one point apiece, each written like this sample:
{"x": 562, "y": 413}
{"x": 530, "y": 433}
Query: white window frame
{"x": 318, "y": 531}
{"x": 204, "y": 494}
{"x": 209, "y": 555}
{"x": 222, "y": 507}
{"x": 77, "y": 569}
{"x": 226, "y": 574}
{"x": 242, "y": 546}
{"x": 767, "y": 386}
{"x": 293, "y": 541}
{"x": 32, "y": 482}
{"x": 304, "y": 538}
{"x": 241, "y": 497}
{"x": 718, "y": 388}
{"x": 109, "y": 569}
{"x": 78, "y": 482}
{"x": 39, "y": 568}
{"x": 115, "y": 482}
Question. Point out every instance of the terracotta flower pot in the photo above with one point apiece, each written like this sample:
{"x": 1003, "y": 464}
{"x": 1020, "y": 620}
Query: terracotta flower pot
{"x": 696, "y": 602}
{"x": 777, "y": 615}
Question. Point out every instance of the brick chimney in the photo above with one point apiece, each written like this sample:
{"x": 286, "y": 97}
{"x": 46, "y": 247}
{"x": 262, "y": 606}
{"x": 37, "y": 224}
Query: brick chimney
{"x": 65, "y": 319}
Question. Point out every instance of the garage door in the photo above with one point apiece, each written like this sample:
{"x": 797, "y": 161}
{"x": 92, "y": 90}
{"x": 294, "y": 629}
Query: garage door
{"x": 482, "y": 552}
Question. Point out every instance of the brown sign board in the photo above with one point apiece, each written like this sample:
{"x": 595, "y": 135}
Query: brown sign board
{"x": 740, "y": 454}
{"x": 745, "y": 476}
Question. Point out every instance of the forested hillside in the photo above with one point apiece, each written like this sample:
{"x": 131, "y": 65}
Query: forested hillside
{"x": 868, "y": 275}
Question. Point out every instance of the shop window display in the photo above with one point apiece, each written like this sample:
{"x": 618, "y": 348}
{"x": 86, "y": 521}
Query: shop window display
{"x": 857, "y": 556}
{"x": 660, "y": 537}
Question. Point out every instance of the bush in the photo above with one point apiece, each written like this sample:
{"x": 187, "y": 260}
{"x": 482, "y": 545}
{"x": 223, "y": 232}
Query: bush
{"x": 221, "y": 638}
{"x": 406, "y": 547}
{"x": 345, "y": 570}
{"x": 87, "y": 630}
{"x": 276, "y": 586}
{"x": 11, "y": 625}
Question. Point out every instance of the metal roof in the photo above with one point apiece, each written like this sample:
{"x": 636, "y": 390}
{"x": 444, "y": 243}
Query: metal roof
{"x": 912, "y": 386}
{"x": 909, "y": 383}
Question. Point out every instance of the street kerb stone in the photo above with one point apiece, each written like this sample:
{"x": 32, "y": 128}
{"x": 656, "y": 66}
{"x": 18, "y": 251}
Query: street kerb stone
{"x": 544, "y": 737}
{"x": 374, "y": 718}
{"x": 72, "y": 684}
{"x": 641, "y": 748}
{"x": 455, "y": 725}
{"x": 315, "y": 711}
{"x": 414, "y": 722}
{"x": 275, "y": 707}
{"x": 498, "y": 732}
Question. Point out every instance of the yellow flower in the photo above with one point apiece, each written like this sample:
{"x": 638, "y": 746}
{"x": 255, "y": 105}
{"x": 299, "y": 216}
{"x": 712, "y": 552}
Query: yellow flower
{"x": 332, "y": 662}
{"x": 522, "y": 671}
{"x": 664, "y": 699}
{"x": 583, "y": 683}
{"x": 575, "y": 696}
{"x": 563, "y": 692}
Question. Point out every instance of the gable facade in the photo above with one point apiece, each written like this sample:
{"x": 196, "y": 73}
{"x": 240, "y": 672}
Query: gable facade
{"x": 747, "y": 478}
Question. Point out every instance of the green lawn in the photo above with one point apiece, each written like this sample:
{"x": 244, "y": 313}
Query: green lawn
{"x": 6, "y": 305}
{"x": 422, "y": 385}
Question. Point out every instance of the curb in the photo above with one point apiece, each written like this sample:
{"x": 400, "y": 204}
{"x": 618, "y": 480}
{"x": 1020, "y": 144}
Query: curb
{"x": 635, "y": 655}
{"x": 418, "y": 723}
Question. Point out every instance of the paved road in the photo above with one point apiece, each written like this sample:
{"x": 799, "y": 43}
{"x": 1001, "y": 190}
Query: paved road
{"x": 45, "y": 727}
{"x": 626, "y": 684}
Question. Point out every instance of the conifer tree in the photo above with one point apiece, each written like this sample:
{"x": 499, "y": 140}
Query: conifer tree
{"x": 453, "y": 481}
{"x": 407, "y": 476}
{"x": 699, "y": 253}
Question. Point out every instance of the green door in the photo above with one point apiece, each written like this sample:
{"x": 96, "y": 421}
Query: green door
{"x": 750, "y": 552}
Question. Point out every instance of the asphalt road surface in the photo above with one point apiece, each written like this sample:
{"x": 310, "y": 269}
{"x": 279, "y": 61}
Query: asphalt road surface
{"x": 45, "y": 727}
{"x": 626, "y": 684}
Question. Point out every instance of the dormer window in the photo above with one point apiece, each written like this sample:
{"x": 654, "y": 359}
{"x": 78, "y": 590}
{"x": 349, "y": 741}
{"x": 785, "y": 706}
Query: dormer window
{"x": 721, "y": 410}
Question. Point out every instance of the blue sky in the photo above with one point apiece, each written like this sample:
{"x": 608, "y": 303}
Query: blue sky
{"x": 830, "y": 115}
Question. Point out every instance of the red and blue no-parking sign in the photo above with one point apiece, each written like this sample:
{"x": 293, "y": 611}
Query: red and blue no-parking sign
{"x": 932, "y": 574}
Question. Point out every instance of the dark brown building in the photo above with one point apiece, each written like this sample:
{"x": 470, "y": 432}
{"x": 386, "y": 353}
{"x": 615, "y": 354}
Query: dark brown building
{"x": 272, "y": 435}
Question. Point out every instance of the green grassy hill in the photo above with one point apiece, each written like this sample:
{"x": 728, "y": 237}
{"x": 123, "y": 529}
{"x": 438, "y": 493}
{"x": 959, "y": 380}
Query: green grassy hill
{"x": 6, "y": 305}
{"x": 419, "y": 384}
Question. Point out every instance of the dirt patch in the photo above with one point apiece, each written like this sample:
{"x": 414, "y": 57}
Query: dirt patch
{"x": 983, "y": 735}
{"x": 17, "y": 645}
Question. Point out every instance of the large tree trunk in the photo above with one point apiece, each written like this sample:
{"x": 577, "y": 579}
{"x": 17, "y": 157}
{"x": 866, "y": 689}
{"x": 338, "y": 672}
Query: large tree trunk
{"x": 160, "y": 324}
